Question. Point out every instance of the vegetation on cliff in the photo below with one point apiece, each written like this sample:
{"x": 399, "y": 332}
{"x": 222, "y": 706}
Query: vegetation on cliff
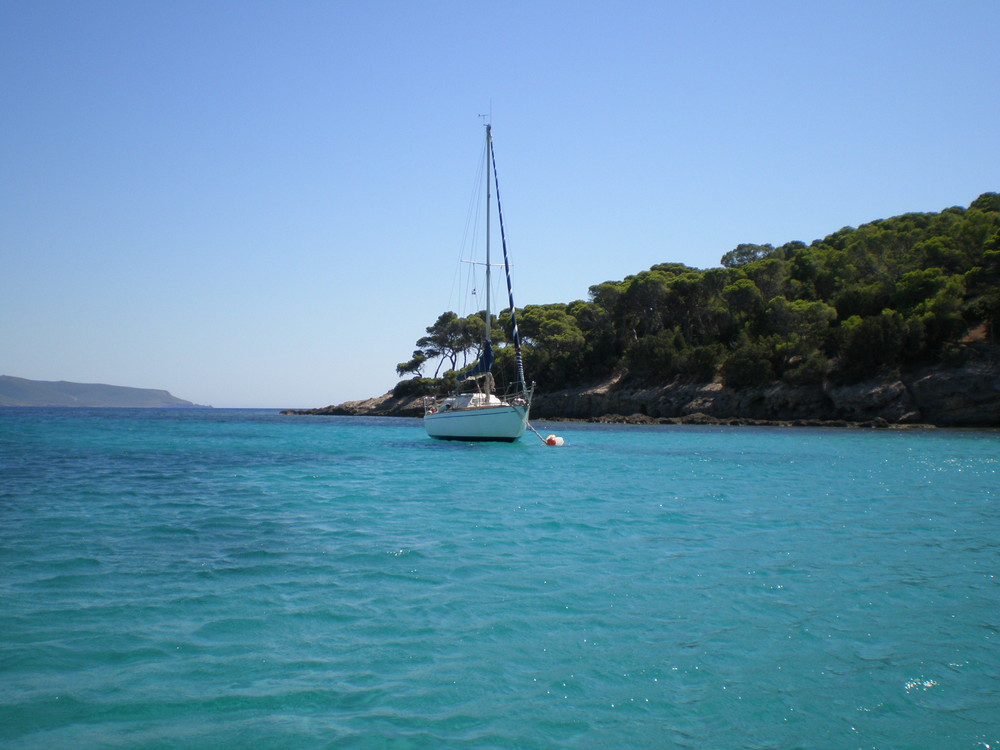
{"x": 911, "y": 290}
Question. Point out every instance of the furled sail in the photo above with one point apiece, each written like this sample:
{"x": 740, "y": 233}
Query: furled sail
{"x": 510, "y": 287}
{"x": 484, "y": 364}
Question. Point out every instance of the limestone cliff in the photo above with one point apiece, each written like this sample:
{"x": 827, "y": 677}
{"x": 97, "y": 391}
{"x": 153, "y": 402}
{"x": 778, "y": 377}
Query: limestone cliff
{"x": 966, "y": 396}
{"x": 959, "y": 397}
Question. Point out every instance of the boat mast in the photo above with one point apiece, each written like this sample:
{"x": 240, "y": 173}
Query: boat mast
{"x": 487, "y": 339}
{"x": 510, "y": 288}
{"x": 489, "y": 150}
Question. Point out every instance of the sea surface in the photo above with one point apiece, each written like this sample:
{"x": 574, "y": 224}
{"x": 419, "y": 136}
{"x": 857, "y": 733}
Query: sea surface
{"x": 242, "y": 579}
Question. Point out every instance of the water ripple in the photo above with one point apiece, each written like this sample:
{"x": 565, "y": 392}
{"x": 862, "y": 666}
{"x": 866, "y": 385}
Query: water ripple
{"x": 238, "y": 578}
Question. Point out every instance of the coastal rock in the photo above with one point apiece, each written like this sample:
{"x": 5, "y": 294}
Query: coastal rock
{"x": 969, "y": 396}
{"x": 887, "y": 399}
{"x": 380, "y": 406}
{"x": 965, "y": 396}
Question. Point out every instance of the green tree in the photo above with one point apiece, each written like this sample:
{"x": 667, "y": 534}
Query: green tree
{"x": 601, "y": 350}
{"x": 642, "y": 303}
{"x": 747, "y": 365}
{"x": 941, "y": 252}
{"x": 414, "y": 366}
{"x": 655, "y": 358}
{"x": 941, "y": 316}
{"x": 983, "y": 285}
{"x": 988, "y": 202}
{"x": 745, "y": 253}
{"x": 555, "y": 343}
{"x": 744, "y": 300}
{"x": 890, "y": 293}
{"x": 876, "y": 342}
{"x": 916, "y": 287}
{"x": 770, "y": 275}
{"x": 801, "y": 318}
{"x": 448, "y": 339}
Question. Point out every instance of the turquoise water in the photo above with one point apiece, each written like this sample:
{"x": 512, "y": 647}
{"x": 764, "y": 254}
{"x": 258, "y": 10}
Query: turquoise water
{"x": 227, "y": 579}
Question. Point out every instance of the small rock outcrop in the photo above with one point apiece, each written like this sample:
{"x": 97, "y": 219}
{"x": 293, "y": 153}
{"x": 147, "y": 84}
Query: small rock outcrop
{"x": 380, "y": 406}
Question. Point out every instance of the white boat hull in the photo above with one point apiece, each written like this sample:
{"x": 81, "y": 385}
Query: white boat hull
{"x": 505, "y": 423}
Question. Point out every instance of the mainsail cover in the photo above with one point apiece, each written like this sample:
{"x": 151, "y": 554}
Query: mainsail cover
{"x": 484, "y": 364}
{"x": 510, "y": 287}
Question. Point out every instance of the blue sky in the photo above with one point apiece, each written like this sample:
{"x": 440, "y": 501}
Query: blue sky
{"x": 261, "y": 204}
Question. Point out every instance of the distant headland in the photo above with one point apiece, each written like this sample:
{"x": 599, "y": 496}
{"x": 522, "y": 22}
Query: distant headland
{"x": 22, "y": 392}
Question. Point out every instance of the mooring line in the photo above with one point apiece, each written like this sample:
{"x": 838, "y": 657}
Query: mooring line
{"x": 532, "y": 428}
{"x": 550, "y": 440}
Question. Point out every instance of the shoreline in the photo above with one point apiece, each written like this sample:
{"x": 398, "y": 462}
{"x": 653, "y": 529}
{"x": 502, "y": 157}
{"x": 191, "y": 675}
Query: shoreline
{"x": 967, "y": 396}
{"x": 387, "y": 406}
{"x": 639, "y": 420}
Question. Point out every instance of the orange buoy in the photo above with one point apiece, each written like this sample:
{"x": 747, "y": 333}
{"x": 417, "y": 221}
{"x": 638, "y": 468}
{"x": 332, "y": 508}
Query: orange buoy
{"x": 553, "y": 440}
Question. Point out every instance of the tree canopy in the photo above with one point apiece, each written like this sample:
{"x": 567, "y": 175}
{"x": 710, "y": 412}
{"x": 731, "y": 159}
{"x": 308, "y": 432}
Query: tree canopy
{"x": 910, "y": 290}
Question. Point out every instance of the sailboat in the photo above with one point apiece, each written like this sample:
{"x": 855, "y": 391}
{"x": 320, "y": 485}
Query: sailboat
{"x": 475, "y": 411}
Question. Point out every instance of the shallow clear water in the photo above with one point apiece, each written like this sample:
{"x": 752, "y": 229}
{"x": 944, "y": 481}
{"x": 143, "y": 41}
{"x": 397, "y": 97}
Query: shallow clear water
{"x": 240, "y": 578}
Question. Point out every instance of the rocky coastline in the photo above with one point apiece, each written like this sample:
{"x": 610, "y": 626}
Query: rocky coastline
{"x": 938, "y": 396}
